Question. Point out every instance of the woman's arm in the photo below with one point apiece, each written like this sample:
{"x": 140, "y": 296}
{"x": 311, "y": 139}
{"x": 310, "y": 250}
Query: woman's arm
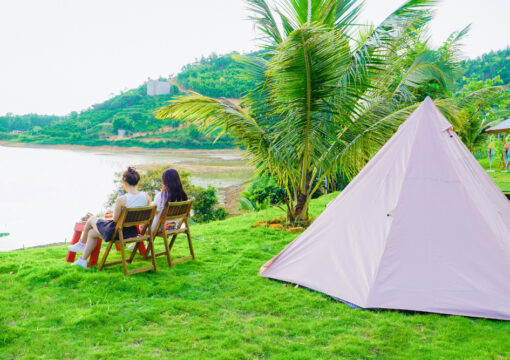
{"x": 121, "y": 201}
{"x": 148, "y": 199}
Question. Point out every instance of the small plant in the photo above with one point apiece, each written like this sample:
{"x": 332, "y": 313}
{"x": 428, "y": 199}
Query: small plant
{"x": 252, "y": 205}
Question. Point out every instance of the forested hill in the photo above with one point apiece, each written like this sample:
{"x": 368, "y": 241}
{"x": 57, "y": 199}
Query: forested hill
{"x": 133, "y": 111}
{"x": 215, "y": 76}
{"x": 488, "y": 66}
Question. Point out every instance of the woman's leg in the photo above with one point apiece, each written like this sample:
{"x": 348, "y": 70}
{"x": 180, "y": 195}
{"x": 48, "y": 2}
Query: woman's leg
{"x": 93, "y": 235}
{"x": 91, "y": 223}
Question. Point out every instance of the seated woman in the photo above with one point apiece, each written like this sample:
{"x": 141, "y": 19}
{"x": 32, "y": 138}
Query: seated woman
{"x": 172, "y": 191}
{"x": 96, "y": 227}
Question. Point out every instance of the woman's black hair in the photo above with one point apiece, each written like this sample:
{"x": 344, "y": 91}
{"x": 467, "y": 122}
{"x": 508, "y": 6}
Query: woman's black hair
{"x": 131, "y": 176}
{"x": 172, "y": 187}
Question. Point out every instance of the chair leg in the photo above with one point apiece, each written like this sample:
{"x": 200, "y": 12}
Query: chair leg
{"x": 147, "y": 253}
{"x": 167, "y": 250}
{"x": 153, "y": 254}
{"x": 170, "y": 247}
{"x": 123, "y": 254}
{"x": 190, "y": 244}
{"x": 105, "y": 255}
{"x": 133, "y": 253}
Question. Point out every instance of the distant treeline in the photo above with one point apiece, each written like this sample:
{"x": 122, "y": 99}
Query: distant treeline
{"x": 488, "y": 66}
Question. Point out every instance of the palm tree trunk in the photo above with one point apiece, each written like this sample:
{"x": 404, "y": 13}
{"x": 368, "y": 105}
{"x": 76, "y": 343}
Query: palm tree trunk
{"x": 297, "y": 215}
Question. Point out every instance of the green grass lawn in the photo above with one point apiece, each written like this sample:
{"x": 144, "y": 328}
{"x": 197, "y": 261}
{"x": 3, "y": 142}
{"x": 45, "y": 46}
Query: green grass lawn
{"x": 501, "y": 178}
{"x": 215, "y": 307}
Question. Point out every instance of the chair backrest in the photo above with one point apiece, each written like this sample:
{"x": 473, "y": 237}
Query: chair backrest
{"x": 175, "y": 210}
{"x": 133, "y": 216}
{"x": 178, "y": 210}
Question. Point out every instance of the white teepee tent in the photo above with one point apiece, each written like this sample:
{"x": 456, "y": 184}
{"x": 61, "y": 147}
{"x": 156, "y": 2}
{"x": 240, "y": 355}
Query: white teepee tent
{"x": 422, "y": 227}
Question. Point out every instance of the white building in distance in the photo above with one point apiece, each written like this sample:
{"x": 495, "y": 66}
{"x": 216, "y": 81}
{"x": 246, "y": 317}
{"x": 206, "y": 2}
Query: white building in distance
{"x": 155, "y": 87}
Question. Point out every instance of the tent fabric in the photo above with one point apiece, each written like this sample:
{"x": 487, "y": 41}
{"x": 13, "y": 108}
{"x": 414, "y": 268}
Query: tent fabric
{"x": 503, "y": 126}
{"x": 422, "y": 227}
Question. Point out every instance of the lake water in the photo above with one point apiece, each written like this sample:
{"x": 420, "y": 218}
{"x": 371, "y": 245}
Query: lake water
{"x": 43, "y": 192}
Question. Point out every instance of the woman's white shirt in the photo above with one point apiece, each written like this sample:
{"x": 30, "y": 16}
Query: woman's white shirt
{"x": 137, "y": 200}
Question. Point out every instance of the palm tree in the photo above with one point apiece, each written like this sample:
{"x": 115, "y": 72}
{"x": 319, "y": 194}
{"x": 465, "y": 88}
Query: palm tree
{"x": 328, "y": 92}
{"x": 481, "y": 104}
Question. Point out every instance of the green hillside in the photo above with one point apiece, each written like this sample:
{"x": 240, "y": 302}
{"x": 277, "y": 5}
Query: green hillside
{"x": 488, "y": 66}
{"x": 133, "y": 111}
{"x": 215, "y": 76}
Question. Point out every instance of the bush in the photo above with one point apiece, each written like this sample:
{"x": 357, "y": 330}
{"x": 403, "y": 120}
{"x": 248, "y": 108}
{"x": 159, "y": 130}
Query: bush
{"x": 263, "y": 192}
{"x": 205, "y": 205}
{"x": 266, "y": 187}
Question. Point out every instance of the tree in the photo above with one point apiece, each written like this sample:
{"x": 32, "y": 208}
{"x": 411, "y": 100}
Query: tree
{"x": 482, "y": 103}
{"x": 488, "y": 66}
{"x": 104, "y": 129}
{"x": 328, "y": 93}
{"x": 122, "y": 122}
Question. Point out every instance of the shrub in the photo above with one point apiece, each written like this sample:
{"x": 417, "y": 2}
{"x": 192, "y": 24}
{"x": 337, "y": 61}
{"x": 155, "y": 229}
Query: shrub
{"x": 205, "y": 205}
{"x": 263, "y": 192}
{"x": 264, "y": 187}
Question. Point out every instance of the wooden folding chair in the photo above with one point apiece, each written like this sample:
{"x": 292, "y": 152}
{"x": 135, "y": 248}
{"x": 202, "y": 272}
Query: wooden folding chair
{"x": 179, "y": 211}
{"x": 132, "y": 217}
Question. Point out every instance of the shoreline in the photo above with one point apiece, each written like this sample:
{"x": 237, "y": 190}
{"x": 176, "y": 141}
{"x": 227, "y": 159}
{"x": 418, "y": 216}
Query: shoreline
{"x": 39, "y": 246}
{"x": 122, "y": 149}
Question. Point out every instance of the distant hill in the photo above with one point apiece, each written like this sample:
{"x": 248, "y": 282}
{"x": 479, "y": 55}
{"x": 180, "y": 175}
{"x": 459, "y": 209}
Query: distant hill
{"x": 133, "y": 111}
{"x": 215, "y": 76}
{"x": 488, "y": 66}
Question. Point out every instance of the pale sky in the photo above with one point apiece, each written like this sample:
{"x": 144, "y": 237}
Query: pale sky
{"x": 59, "y": 56}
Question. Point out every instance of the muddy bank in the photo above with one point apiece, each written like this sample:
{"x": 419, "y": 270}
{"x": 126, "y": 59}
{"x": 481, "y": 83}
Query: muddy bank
{"x": 129, "y": 149}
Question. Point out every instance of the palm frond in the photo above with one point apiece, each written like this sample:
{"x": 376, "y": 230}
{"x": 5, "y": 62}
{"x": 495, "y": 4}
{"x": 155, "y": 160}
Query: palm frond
{"x": 482, "y": 94}
{"x": 265, "y": 22}
{"x": 214, "y": 115}
{"x": 296, "y": 12}
{"x": 346, "y": 13}
{"x": 425, "y": 68}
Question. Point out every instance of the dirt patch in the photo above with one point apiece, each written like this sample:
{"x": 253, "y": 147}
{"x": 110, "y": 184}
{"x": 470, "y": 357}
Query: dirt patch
{"x": 232, "y": 198}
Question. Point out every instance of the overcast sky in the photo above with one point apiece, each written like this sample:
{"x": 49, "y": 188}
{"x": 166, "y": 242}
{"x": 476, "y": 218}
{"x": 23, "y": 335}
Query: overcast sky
{"x": 63, "y": 55}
